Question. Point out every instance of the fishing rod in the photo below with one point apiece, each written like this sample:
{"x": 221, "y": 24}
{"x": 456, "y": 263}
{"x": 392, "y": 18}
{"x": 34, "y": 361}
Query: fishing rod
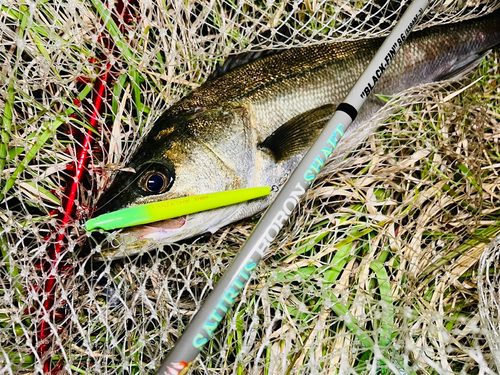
{"x": 220, "y": 300}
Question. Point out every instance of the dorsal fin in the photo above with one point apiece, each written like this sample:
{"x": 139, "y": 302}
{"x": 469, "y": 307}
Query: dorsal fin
{"x": 463, "y": 67}
{"x": 235, "y": 61}
{"x": 283, "y": 34}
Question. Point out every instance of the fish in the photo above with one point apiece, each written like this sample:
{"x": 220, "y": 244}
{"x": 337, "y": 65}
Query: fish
{"x": 251, "y": 124}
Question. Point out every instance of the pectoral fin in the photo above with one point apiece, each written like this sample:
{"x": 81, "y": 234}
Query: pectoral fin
{"x": 299, "y": 133}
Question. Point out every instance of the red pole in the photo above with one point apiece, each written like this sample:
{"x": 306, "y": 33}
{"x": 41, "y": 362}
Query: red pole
{"x": 100, "y": 95}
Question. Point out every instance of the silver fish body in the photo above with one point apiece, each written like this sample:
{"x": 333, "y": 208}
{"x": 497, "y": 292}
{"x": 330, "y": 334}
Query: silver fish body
{"x": 251, "y": 126}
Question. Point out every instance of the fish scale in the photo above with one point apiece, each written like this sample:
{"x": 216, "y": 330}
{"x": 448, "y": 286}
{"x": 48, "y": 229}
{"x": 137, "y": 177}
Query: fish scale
{"x": 251, "y": 126}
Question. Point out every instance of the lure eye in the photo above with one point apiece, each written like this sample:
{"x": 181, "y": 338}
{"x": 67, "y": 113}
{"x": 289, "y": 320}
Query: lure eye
{"x": 156, "y": 182}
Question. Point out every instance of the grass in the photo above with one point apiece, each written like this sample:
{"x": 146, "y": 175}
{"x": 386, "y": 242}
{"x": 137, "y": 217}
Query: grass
{"x": 375, "y": 273}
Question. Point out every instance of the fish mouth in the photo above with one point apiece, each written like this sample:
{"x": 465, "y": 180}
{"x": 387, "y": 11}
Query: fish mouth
{"x": 157, "y": 230}
{"x": 141, "y": 238}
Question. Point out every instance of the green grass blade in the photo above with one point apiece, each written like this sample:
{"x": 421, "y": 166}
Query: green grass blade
{"x": 7, "y": 125}
{"x": 387, "y": 313}
{"x": 113, "y": 30}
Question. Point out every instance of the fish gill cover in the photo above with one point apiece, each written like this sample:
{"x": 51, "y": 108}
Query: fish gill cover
{"x": 377, "y": 271}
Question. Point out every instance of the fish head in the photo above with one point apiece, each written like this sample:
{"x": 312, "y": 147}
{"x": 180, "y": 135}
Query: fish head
{"x": 183, "y": 155}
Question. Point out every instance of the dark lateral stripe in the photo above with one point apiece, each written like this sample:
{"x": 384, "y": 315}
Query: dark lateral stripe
{"x": 349, "y": 109}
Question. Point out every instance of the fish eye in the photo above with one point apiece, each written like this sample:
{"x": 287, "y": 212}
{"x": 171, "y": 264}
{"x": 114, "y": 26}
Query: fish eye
{"x": 156, "y": 182}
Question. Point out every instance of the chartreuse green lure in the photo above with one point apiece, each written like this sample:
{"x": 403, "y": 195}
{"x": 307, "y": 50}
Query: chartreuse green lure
{"x": 157, "y": 211}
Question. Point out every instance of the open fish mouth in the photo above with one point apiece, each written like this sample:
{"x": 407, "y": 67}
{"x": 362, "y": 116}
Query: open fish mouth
{"x": 157, "y": 230}
{"x": 140, "y": 238}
